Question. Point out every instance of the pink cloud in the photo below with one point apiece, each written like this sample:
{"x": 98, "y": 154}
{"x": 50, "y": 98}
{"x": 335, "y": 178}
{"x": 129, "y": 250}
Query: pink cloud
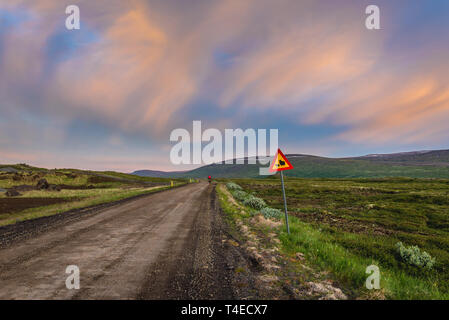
{"x": 154, "y": 59}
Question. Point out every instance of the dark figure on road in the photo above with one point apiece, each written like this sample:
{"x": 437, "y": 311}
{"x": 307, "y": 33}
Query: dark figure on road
{"x": 210, "y": 178}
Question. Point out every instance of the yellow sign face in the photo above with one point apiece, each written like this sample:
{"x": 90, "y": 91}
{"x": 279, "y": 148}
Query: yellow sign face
{"x": 280, "y": 163}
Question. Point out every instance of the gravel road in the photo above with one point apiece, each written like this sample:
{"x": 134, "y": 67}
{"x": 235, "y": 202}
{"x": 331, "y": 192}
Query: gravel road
{"x": 167, "y": 245}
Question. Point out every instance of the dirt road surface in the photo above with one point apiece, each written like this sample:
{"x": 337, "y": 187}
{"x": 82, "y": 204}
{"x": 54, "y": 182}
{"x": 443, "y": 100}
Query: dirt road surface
{"x": 168, "y": 245}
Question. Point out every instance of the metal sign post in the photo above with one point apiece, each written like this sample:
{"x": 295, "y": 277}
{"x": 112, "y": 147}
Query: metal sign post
{"x": 285, "y": 203}
{"x": 281, "y": 163}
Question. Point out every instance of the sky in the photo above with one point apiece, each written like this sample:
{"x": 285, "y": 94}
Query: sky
{"x": 107, "y": 96}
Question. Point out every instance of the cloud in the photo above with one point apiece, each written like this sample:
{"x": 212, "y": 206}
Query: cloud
{"x": 137, "y": 66}
{"x": 389, "y": 106}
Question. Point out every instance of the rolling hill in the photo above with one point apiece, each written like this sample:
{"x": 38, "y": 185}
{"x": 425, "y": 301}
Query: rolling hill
{"x": 418, "y": 164}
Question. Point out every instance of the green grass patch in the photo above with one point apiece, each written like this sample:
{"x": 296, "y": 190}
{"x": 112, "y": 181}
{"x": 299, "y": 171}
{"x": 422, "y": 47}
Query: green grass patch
{"x": 345, "y": 225}
{"x": 349, "y": 268}
{"x": 88, "y": 198}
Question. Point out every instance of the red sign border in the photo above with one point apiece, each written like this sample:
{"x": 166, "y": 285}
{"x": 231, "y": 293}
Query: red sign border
{"x": 274, "y": 160}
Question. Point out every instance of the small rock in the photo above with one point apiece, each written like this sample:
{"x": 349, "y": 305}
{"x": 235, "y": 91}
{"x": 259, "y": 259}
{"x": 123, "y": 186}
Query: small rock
{"x": 326, "y": 290}
{"x": 54, "y": 187}
{"x": 257, "y": 256}
{"x": 271, "y": 267}
{"x": 42, "y": 184}
{"x": 12, "y": 193}
{"x": 299, "y": 256}
{"x": 268, "y": 278}
{"x": 251, "y": 243}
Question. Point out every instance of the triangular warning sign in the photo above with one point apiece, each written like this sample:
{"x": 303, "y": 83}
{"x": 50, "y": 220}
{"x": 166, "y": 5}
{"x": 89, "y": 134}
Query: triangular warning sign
{"x": 280, "y": 162}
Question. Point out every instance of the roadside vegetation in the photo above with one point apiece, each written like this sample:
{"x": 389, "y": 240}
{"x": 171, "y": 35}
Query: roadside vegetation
{"x": 27, "y": 192}
{"x": 341, "y": 226}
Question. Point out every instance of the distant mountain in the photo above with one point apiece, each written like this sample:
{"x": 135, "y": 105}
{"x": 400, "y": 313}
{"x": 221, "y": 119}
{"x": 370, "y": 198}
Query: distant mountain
{"x": 418, "y": 164}
{"x": 425, "y": 157}
{"x": 158, "y": 174}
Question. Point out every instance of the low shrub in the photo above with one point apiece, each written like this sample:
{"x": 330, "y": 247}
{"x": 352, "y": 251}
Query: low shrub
{"x": 240, "y": 195}
{"x": 233, "y": 186}
{"x": 271, "y": 213}
{"x": 254, "y": 202}
{"x": 414, "y": 256}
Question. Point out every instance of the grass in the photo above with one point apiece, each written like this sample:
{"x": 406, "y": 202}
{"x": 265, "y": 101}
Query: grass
{"x": 135, "y": 178}
{"x": 349, "y": 268}
{"x": 233, "y": 212}
{"x": 79, "y": 189}
{"x": 345, "y": 225}
{"x": 52, "y": 178}
{"x": 81, "y": 199}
